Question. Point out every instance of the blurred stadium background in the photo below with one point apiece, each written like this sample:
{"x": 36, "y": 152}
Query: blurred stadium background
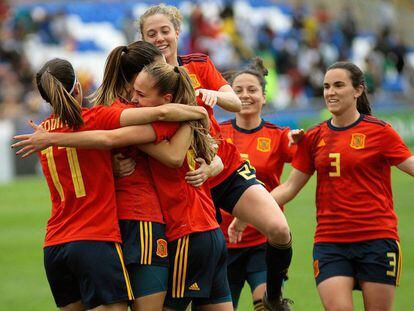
{"x": 298, "y": 40}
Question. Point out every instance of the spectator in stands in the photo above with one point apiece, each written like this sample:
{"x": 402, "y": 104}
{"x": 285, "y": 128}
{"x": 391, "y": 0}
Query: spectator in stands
{"x": 348, "y": 25}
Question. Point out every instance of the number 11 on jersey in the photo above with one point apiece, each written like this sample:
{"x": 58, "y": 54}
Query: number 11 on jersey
{"x": 75, "y": 171}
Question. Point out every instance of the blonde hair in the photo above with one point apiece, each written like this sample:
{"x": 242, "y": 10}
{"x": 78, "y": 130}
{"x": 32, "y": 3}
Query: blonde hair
{"x": 171, "y": 12}
{"x": 122, "y": 66}
{"x": 174, "y": 80}
{"x": 55, "y": 82}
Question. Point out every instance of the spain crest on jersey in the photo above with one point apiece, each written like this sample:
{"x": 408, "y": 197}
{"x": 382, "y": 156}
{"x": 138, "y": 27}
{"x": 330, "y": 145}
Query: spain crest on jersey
{"x": 194, "y": 81}
{"x": 162, "y": 250}
{"x": 358, "y": 141}
{"x": 263, "y": 144}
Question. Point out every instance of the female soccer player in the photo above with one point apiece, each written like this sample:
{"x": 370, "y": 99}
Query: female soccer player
{"x": 266, "y": 146}
{"x": 235, "y": 189}
{"x": 197, "y": 248}
{"x": 141, "y": 221}
{"x": 356, "y": 239}
{"x": 83, "y": 259}
{"x": 196, "y": 244}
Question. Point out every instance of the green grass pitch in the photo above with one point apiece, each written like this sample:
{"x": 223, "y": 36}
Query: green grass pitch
{"x": 24, "y": 209}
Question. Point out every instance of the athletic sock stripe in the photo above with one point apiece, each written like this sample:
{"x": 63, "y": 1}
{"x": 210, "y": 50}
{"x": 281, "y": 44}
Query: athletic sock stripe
{"x": 258, "y": 305}
{"x": 282, "y": 246}
{"x": 124, "y": 270}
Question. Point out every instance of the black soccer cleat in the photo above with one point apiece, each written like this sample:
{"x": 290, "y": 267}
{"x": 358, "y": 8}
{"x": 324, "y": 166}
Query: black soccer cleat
{"x": 280, "y": 304}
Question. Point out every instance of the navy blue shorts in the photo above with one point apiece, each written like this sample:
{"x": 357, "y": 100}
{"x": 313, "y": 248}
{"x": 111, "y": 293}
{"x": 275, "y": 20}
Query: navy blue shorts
{"x": 198, "y": 270}
{"x": 146, "y": 256}
{"x": 147, "y": 280}
{"x": 371, "y": 261}
{"x": 90, "y": 271}
{"x": 144, "y": 243}
{"x": 227, "y": 194}
{"x": 246, "y": 264}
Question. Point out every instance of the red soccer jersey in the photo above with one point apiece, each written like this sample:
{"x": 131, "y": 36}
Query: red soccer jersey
{"x": 81, "y": 184}
{"x": 186, "y": 209}
{"x": 353, "y": 164}
{"x": 267, "y": 149}
{"x": 204, "y": 75}
{"x": 136, "y": 197}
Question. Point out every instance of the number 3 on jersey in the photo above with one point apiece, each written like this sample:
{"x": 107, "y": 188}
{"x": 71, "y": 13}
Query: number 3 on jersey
{"x": 336, "y": 164}
{"x": 75, "y": 172}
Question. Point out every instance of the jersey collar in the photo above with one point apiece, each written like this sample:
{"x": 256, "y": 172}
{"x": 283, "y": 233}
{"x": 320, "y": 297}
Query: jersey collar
{"x": 239, "y": 129}
{"x": 335, "y": 128}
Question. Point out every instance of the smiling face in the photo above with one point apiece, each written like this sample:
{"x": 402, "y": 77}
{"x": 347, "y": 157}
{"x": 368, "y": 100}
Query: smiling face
{"x": 160, "y": 31}
{"x": 339, "y": 93}
{"x": 145, "y": 94}
{"x": 248, "y": 89}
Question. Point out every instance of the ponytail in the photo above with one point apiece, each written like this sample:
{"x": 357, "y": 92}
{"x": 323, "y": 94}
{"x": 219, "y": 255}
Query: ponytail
{"x": 175, "y": 81}
{"x": 122, "y": 66}
{"x": 56, "y": 81}
{"x": 363, "y": 105}
{"x": 114, "y": 82}
{"x": 202, "y": 143}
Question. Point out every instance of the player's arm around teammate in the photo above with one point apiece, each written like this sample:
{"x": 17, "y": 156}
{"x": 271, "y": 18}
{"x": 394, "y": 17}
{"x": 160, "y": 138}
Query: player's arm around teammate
{"x": 236, "y": 188}
{"x": 196, "y": 245}
{"x": 147, "y": 297}
{"x": 83, "y": 261}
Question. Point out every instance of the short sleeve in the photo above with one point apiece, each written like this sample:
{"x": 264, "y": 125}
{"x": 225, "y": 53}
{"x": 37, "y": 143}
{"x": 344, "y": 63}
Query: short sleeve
{"x": 303, "y": 160}
{"x": 107, "y": 118}
{"x": 394, "y": 148}
{"x": 164, "y": 130}
{"x": 213, "y": 80}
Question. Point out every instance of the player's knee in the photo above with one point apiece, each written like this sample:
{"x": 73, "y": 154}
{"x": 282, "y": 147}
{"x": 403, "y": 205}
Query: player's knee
{"x": 337, "y": 303}
{"x": 339, "y": 307}
{"x": 279, "y": 233}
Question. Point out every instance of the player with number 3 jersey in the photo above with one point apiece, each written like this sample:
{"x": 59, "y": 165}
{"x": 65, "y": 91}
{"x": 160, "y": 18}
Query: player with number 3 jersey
{"x": 356, "y": 239}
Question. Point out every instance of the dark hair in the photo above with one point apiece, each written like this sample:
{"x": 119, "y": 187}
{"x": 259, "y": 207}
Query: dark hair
{"x": 122, "y": 66}
{"x": 358, "y": 79}
{"x": 255, "y": 68}
{"x": 175, "y": 80}
{"x": 56, "y": 81}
